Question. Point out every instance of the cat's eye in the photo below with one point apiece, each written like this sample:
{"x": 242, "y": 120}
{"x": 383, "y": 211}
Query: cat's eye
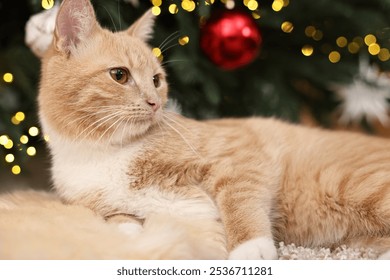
{"x": 120, "y": 75}
{"x": 157, "y": 80}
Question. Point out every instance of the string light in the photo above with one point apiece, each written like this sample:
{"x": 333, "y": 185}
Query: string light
{"x": 256, "y": 15}
{"x": 252, "y": 5}
{"x": 307, "y": 50}
{"x": 230, "y": 4}
{"x": 188, "y": 5}
{"x": 31, "y": 151}
{"x": 3, "y": 140}
{"x": 156, "y": 2}
{"x": 310, "y": 31}
{"x": 184, "y": 40}
{"x": 8, "y": 77}
{"x": 369, "y": 39}
{"x": 318, "y": 34}
{"x": 277, "y": 5}
{"x": 353, "y": 47}
{"x": 33, "y": 131}
{"x": 157, "y": 53}
{"x": 384, "y": 55}
{"x": 334, "y": 57}
{"x": 9, "y": 158}
{"x": 287, "y": 27}
{"x": 47, "y": 4}
{"x": 374, "y": 49}
{"x": 173, "y": 9}
{"x": 16, "y": 170}
{"x": 9, "y": 144}
{"x": 156, "y": 10}
{"x": 46, "y": 138}
{"x": 23, "y": 139}
{"x": 341, "y": 41}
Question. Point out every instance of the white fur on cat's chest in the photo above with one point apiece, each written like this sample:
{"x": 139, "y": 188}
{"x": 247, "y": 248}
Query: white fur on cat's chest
{"x": 82, "y": 170}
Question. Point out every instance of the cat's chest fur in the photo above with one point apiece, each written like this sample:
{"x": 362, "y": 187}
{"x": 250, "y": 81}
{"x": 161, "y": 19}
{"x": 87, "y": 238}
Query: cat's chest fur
{"x": 111, "y": 180}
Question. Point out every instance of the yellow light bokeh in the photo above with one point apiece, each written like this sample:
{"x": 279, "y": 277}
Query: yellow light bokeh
{"x": 31, "y": 151}
{"x": 20, "y": 116}
{"x": 188, "y": 5}
{"x": 9, "y": 144}
{"x": 358, "y": 40}
{"x": 341, "y": 41}
{"x": 33, "y": 131}
{"x": 384, "y": 55}
{"x": 3, "y": 140}
{"x": 184, "y": 40}
{"x": 9, "y": 158}
{"x": 374, "y": 49}
{"x": 310, "y": 31}
{"x": 16, "y": 170}
{"x": 318, "y": 35}
{"x": 156, "y": 52}
{"x": 256, "y": 15}
{"x": 8, "y": 77}
{"x": 47, "y": 4}
{"x": 252, "y": 5}
{"x": 46, "y": 138}
{"x": 14, "y": 121}
{"x": 353, "y": 47}
{"x": 156, "y": 2}
{"x": 287, "y": 27}
{"x": 23, "y": 139}
{"x": 369, "y": 39}
{"x": 156, "y": 10}
{"x": 334, "y": 57}
{"x": 277, "y": 5}
{"x": 173, "y": 9}
{"x": 307, "y": 50}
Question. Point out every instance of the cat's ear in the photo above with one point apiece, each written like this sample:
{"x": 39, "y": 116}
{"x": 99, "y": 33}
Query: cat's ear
{"x": 75, "y": 22}
{"x": 143, "y": 27}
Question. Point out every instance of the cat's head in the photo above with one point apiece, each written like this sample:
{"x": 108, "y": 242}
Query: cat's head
{"x": 97, "y": 85}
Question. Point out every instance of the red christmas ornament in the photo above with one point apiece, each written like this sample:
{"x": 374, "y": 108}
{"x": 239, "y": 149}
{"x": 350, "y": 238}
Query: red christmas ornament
{"x": 230, "y": 39}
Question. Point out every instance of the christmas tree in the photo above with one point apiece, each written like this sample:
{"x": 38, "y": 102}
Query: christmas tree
{"x": 327, "y": 59}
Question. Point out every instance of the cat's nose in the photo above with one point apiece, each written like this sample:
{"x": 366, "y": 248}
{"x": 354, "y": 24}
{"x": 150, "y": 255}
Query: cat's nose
{"x": 154, "y": 104}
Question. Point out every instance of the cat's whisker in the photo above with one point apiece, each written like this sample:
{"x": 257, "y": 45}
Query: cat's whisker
{"x": 112, "y": 20}
{"x": 109, "y": 128}
{"x": 96, "y": 125}
{"x": 176, "y": 122}
{"x": 169, "y": 47}
{"x": 168, "y": 40}
{"x": 162, "y": 130}
{"x": 172, "y": 61}
{"x": 182, "y": 137}
{"x": 124, "y": 130}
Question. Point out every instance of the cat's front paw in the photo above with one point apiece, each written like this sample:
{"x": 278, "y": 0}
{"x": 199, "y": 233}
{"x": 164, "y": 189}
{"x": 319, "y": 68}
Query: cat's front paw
{"x": 261, "y": 248}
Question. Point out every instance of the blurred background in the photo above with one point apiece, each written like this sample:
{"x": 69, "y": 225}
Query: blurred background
{"x": 320, "y": 63}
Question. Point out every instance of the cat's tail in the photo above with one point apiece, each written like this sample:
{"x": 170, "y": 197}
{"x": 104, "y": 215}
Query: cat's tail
{"x": 163, "y": 237}
{"x": 37, "y": 225}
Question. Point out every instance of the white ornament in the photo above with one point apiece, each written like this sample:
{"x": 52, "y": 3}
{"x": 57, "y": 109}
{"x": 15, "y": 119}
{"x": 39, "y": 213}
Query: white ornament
{"x": 366, "y": 97}
{"x": 39, "y": 30}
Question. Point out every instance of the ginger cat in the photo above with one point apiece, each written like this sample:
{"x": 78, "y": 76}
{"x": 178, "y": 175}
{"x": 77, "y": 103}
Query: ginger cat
{"x": 117, "y": 150}
{"x": 37, "y": 225}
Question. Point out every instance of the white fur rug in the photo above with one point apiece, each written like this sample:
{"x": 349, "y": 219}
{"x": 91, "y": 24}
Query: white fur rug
{"x": 292, "y": 252}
